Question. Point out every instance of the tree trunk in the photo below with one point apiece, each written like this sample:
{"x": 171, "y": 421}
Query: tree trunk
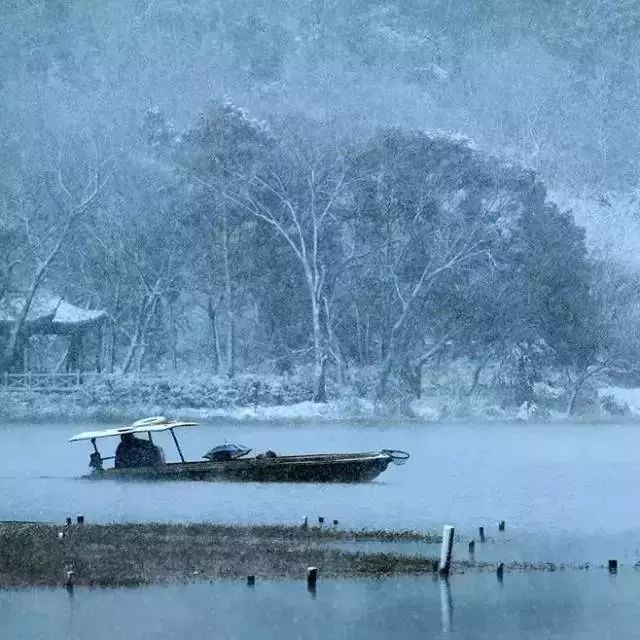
{"x": 135, "y": 339}
{"x": 524, "y": 384}
{"x": 334, "y": 344}
{"x": 366, "y": 350}
{"x": 228, "y": 288}
{"x": 142, "y": 350}
{"x": 389, "y": 359}
{"x": 281, "y": 355}
{"x": 62, "y": 363}
{"x": 319, "y": 391}
{"x": 113, "y": 335}
{"x": 170, "y": 314}
{"x": 25, "y": 356}
{"x": 100, "y": 347}
{"x": 572, "y": 399}
{"x": 147, "y": 310}
{"x": 112, "y": 346}
{"x": 477, "y": 371}
{"x": 359, "y": 342}
{"x": 384, "y": 338}
{"x": 213, "y": 318}
{"x": 417, "y": 381}
{"x": 74, "y": 353}
{"x": 385, "y": 372}
{"x": 578, "y": 385}
{"x": 412, "y": 373}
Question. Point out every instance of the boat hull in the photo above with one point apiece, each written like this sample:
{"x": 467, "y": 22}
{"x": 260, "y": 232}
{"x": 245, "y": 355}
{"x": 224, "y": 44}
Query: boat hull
{"x": 346, "y": 468}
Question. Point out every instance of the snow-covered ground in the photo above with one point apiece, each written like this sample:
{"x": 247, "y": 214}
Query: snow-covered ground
{"x": 301, "y": 411}
{"x": 446, "y": 397}
{"x": 625, "y": 400}
{"x": 614, "y": 402}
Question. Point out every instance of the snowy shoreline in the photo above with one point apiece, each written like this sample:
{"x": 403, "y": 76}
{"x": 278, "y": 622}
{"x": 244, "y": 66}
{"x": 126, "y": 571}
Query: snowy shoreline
{"x": 616, "y": 404}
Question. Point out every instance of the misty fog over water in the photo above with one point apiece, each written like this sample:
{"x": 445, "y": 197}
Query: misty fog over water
{"x": 567, "y": 493}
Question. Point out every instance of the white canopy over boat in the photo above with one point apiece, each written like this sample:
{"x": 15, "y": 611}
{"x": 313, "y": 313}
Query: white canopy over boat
{"x": 140, "y": 426}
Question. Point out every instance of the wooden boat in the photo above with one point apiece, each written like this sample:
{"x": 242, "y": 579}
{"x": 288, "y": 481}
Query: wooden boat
{"x": 232, "y": 462}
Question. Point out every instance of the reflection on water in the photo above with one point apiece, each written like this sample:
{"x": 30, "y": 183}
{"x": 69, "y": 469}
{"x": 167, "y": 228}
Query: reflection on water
{"x": 594, "y": 549}
{"x": 446, "y": 605}
{"x": 574, "y": 605}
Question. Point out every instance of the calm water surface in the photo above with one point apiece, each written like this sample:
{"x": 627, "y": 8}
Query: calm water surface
{"x": 546, "y": 479}
{"x": 576, "y": 605}
{"x": 569, "y": 494}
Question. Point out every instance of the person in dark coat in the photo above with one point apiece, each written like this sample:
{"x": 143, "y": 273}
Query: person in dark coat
{"x": 135, "y": 452}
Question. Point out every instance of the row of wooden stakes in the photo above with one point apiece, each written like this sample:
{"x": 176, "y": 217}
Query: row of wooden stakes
{"x": 305, "y": 522}
{"x": 444, "y": 565}
{"x": 312, "y": 579}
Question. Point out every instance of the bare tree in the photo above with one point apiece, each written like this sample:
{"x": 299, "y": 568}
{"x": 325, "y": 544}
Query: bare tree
{"x": 300, "y": 200}
{"x": 449, "y": 248}
{"x": 44, "y": 245}
{"x": 616, "y": 330}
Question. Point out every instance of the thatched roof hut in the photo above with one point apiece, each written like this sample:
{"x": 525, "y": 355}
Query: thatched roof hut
{"x": 49, "y": 315}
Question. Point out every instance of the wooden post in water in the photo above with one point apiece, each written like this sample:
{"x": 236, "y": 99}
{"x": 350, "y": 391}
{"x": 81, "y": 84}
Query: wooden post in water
{"x": 68, "y": 576}
{"x": 501, "y": 525}
{"x": 251, "y": 581}
{"x": 472, "y": 548}
{"x": 446, "y": 550}
{"x": 320, "y": 520}
{"x": 613, "y": 566}
{"x": 312, "y": 578}
{"x": 305, "y": 522}
{"x": 446, "y": 605}
{"x": 481, "y": 534}
{"x": 500, "y": 572}
{"x": 68, "y": 522}
{"x": 80, "y": 519}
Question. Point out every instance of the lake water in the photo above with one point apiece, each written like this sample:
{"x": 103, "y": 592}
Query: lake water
{"x": 569, "y": 494}
{"x": 562, "y": 605}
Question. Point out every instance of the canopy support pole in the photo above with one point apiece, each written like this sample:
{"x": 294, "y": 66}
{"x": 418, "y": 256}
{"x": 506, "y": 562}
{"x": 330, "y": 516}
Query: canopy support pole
{"x": 177, "y": 445}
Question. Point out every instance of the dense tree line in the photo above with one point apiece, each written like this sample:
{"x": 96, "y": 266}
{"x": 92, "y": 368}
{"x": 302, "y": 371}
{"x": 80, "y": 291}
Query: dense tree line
{"x": 337, "y": 239}
{"x": 285, "y": 244}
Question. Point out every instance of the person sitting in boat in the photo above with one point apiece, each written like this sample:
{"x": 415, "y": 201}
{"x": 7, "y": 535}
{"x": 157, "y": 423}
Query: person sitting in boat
{"x": 136, "y": 452}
